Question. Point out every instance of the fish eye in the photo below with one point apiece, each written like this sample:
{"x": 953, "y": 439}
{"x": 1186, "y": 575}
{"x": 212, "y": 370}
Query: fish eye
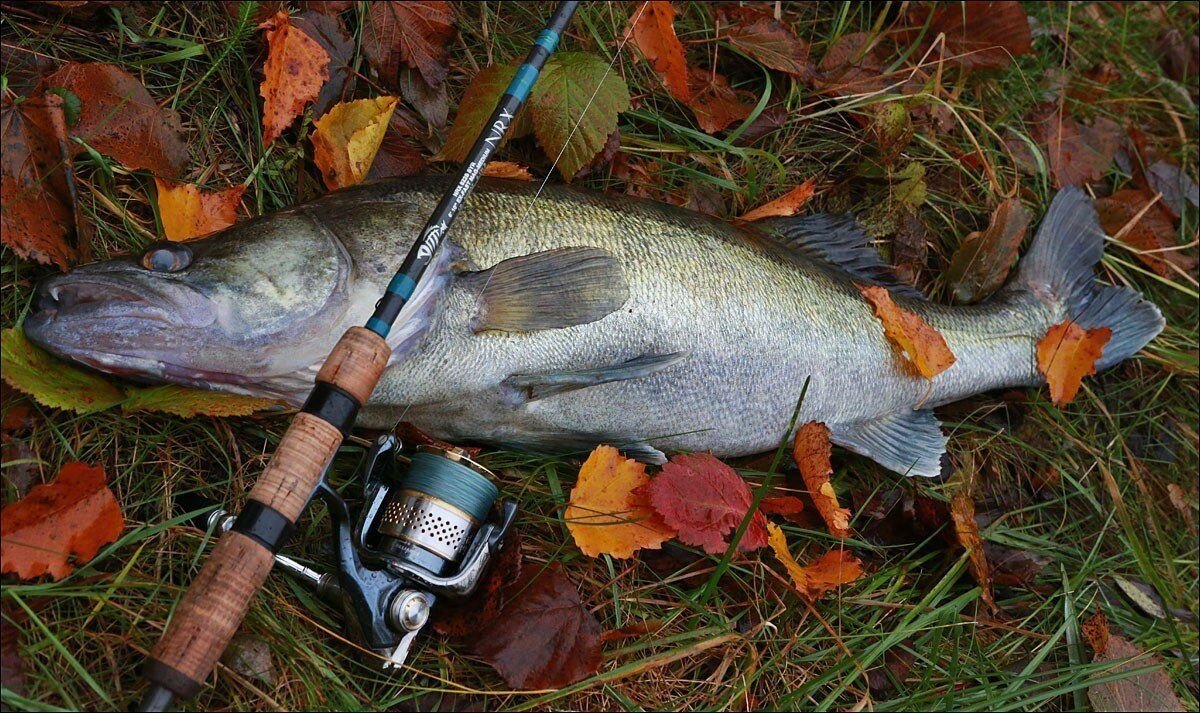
{"x": 167, "y": 256}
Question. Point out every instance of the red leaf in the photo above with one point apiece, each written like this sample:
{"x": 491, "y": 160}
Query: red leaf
{"x": 1078, "y": 153}
{"x": 788, "y": 507}
{"x": 704, "y": 500}
{"x": 785, "y": 205}
{"x": 654, "y": 36}
{"x": 1129, "y": 216}
{"x": 979, "y": 35}
{"x": 460, "y": 618}
{"x": 411, "y": 33}
{"x": 297, "y": 67}
{"x": 543, "y": 637}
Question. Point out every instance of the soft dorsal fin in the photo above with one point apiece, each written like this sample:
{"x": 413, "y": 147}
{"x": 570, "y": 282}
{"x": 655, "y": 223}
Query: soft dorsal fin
{"x": 837, "y": 239}
{"x": 548, "y": 290}
{"x": 531, "y": 387}
{"x": 908, "y": 442}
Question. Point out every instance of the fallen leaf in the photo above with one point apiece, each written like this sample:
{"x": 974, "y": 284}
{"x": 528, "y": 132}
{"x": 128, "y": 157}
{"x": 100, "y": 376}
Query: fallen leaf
{"x": 119, "y": 118}
{"x": 68, "y": 519}
{"x": 1147, "y": 691}
{"x": 1175, "y": 493}
{"x": 409, "y": 33}
{"x": 52, "y": 382}
{"x": 851, "y": 65}
{"x": 12, "y": 664}
{"x": 188, "y": 403}
{"x": 297, "y": 67}
{"x": 327, "y": 7}
{"x": 1142, "y": 596}
{"x": 432, "y": 103}
{"x": 920, "y": 343}
{"x": 704, "y": 500}
{"x": 784, "y": 206}
{"x": 715, "y": 103}
{"x": 1077, "y": 153}
{"x": 786, "y": 506}
{"x": 634, "y": 630}
{"x": 1095, "y": 632}
{"x": 893, "y": 129}
{"x": 347, "y": 138}
{"x": 607, "y": 513}
{"x": 829, "y": 571}
{"x": 1177, "y": 188}
{"x": 981, "y": 264}
{"x": 250, "y": 656}
{"x": 187, "y": 212}
{"x": 758, "y": 34}
{"x": 978, "y": 35}
{"x": 328, "y": 30}
{"x": 966, "y": 533}
{"x": 910, "y": 245}
{"x": 1179, "y": 56}
{"x": 460, "y": 618}
{"x": 813, "y": 452}
{"x": 654, "y": 36}
{"x": 1147, "y": 229}
{"x": 507, "y": 169}
{"x": 1068, "y": 353}
{"x": 399, "y": 154}
{"x": 476, "y": 107}
{"x": 1012, "y": 567}
{"x": 19, "y": 415}
{"x": 543, "y": 637}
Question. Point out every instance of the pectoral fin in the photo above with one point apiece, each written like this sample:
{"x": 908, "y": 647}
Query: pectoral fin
{"x": 531, "y": 387}
{"x": 909, "y": 442}
{"x": 548, "y": 290}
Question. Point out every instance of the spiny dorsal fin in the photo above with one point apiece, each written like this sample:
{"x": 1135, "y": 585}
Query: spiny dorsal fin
{"x": 837, "y": 239}
{"x": 908, "y": 442}
{"x": 548, "y": 290}
{"x": 532, "y": 387}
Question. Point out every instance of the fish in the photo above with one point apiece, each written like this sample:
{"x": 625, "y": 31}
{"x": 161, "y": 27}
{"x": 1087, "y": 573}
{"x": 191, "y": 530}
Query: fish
{"x": 558, "y": 319}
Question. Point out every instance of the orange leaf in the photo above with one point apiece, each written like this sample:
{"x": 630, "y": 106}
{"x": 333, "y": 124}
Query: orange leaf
{"x": 715, "y": 103}
{"x": 297, "y": 67}
{"x": 35, "y": 204}
{"x": 812, "y": 452}
{"x": 507, "y": 169}
{"x": 73, "y": 517}
{"x": 785, "y": 205}
{"x": 654, "y": 36}
{"x": 920, "y": 343}
{"x": 1068, "y": 353}
{"x": 829, "y": 571}
{"x": 187, "y": 212}
{"x": 1129, "y": 216}
{"x": 347, "y": 138}
{"x": 605, "y": 515}
{"x": 966, "y": 532}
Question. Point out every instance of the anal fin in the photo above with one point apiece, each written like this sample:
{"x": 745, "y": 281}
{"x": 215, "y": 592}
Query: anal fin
{"x": 908, "y": 442}
{"x": 531, "y": 387}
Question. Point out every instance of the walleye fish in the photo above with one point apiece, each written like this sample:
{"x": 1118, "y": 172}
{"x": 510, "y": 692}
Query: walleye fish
{"x": 577, "y": 318}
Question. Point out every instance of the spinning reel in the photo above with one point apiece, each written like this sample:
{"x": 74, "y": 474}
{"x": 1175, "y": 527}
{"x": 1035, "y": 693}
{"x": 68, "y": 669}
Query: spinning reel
{"x": 429, "y": 526}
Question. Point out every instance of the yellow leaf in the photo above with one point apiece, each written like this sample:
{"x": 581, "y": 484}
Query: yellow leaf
{"x": 297, "y": 67}
{"x": 607, "y": 513}
{"x": 1068, "y": 353}
{"x": 348, "y": 137}
{"x": 829, "y": 571}
{"x": 923, "y": 345}
{"x": 187, "y": 212}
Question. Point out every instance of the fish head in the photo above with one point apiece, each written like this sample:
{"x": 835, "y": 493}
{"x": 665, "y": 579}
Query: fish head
{"x": 252, "y": 309}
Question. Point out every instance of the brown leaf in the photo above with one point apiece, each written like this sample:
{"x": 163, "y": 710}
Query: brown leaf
{"x": 330, "y": 32}
{"x": 543, "y": 637}
{"x": 1078, "y": 153}
{"x": 297, "y": 67}
{"x": 1068, "y": 353}
{"x": 69, "y": 519}
{"x": 851, "y": 66}
{"x": 654, "y": 36}
{"x": 920, "y": 343}
{"x": 1179, "y": 55}
{"x": 1147, "y": 691}
{"x": 813, "y": 452}
{"x": 1148, "y": 229}
{"x": 411, "y": 33}
{"x": 786, "y": 205}
{"x": 966, "y": 532}
{"x": 119, "y": 118}
{"x": 829, "y": 571}
{"x": 979, "y": 35}
{"x": 188, "y": 213}
{"x": 608, "y": 513}
{"x": 715, "y": 104}
{"x": 981, "y": 264}
{"x": 704, "y": 500}
{"x": 1095, "y": 632}
{"x": 634, "y": 630}
{"x": 460, "y": 618}
{"x": 758, "y": 34}
{"x": 12, "y": 664}
{"x": 399, "y": 154}
{"x": 507, "y": 169}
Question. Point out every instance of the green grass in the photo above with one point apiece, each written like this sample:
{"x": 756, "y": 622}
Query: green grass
{"x": 751, "y": 644}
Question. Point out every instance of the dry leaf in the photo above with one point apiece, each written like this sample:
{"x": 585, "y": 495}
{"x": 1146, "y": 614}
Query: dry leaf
{"x": 1078, "y": 153}
{"x": 507, "y": 169}
{"x": 1147, "y": 691}
{"x": 607, "y": 513}
{"x": 1095, "y": 632}
{"x": 813, "y": 452}
{"x": 715, "y": 104}
{"x": 331, "y": 34}
{"x": 979, "y": 35}
{"x": 12, "y": 665}
{"x": 758, "y": 34}
{"x": 851, "y": 66}
{"x": 966, "y": 533}
{"x": 347, "y": 138}
{"x": 297, "y": 67}
{"x": 400, "y": 152}
{"x": 705, "y": 500}
{"x": 654, "y": 36}
{"x": 789, "y": 507}
{"x": 1152, "y": 235}
{"x": 921, "y": 344}
{"x": 784, "y": 206}
{"x": 187, "y": 212}
{"x": 829, "y": 571}
{"x": 68, "y": 519}
{"x": 982, "y": 262}
{"x": 1068, "y": 353}
{"x": 409, "y": 33}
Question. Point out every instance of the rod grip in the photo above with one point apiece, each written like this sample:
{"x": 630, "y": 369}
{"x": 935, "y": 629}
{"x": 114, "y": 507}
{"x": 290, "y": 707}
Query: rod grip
{"x": 213, "y": 607}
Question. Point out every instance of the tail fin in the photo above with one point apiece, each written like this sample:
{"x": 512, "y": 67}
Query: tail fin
{"x": 1058, "y": 268}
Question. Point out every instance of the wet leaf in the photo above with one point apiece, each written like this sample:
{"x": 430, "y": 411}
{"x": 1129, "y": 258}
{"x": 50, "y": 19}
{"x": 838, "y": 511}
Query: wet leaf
{"x": 813, "y": 451}
{"x": 330, "y": 33}
{"x": 399, "y": 154}
{"x": 189, "y": 403}
{"x": 19, "y": 415}
{"x": 704, "y": 501}
{"x": 188, "y": 212}
{"x": 1078, "y": 153}
{"x": 608, "y": 514}
{"x": 12, "y": 664}
{"x": 1179, "y": 56}
{"x": 851, "y": 66}
{"x": 432, "y": 103}
{"x": 1147, "y": 691}
{"x": 1012, "y": 567}
{"x": 789, "y": 507}
{"x": 507, "y": 169}
{"x": 297, "y": 67}
{"x": 347, "y": 138}
{"x": 409, "y": 33}
{"x": 981, "y": 264}
{"x": 979, "y": 35}
{"x": 556, "y": 108}
{"x": 60, "y": 524}
{"x": 715, "y": 103}
{"x": 829, "y": 571}
{"x": 1129, "y": 216}
{"x": 966, "y": 533}
{"x": 920, "y": 343}
{"x": 52, "y": 382}
{"x": 654, "y": 36}
{"x": 786, "y": 205}
{"x": 758, "y": 34}
{"x": 543, "y": 637}
{"x": 1068, "y": 353}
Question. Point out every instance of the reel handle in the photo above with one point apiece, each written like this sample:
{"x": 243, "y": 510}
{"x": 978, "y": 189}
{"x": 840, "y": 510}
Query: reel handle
{"x": 213, "y": 607}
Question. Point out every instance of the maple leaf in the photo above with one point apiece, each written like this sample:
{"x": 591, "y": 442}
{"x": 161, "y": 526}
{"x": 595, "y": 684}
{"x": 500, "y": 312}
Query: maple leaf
{"x": 715, "y": 103}
{"x": 347, "y": 138}
{"x": 507, "y": 169}
{"x": 52, "y": 382}
{"x": 758, "y": 34}
{"x": 786, "y": 205}
{"x": 543, "y": 637}
{"x": 187, "y": 212}
{"x": 1068, "y": 353}
{"x": 569, "y": 81}
{"x": 460, "y": 618}
{"x": 704, "y": 500}
{"x": 70, "y": 518}
{"x": 411, "y": 33}
{"x": 829, "y": 571}
{"x": 607, "y": 514}
{"x": 813, "y": 453}
{"x": 978, "y": 35}
{"x": 920, "y": 343}
{"x": 1134, "y": 217}
{"x": 187, "y": 403}
{"x": 980, "y": 265}
{"x": 654, "y": 36}
{"x": 119, "y": 118}
{"x": 297, "y": 67}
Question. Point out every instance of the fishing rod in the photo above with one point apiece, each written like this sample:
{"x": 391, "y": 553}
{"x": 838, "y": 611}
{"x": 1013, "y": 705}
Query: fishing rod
{"x": 428, "y": 534}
